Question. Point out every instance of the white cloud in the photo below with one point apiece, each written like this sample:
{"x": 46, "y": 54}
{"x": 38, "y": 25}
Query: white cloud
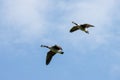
{"x": 30, "y": 18}
{"x": 26, "y": 17}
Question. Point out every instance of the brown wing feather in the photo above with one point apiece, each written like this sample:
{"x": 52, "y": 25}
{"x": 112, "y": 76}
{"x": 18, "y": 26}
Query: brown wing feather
{"x": 49, "y": 56}
{"x": 87, "y": 25}
{"x": 74, "y": 28}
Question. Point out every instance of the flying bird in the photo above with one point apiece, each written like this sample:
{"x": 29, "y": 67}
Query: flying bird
{"x": 53, "y": 50}
{"x": 82, "y": 27}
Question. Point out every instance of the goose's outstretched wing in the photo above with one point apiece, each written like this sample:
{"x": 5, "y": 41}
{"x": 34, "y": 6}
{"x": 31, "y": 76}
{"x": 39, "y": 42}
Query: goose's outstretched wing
{"x": 49, "y": 56}
{"x": 74, "y": 28}
{"x": 87, "y": 25}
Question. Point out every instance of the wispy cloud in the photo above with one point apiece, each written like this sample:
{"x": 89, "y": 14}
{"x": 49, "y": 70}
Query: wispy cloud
{"x": 34, "y": 19}
{"x": 25, "y": 18}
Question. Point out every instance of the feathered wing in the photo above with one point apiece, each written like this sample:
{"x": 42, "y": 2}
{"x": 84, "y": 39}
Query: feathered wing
{"x": 49, "y": 56}
{"x": 91, "y": 25}
{"x": 87, "y": 25}
{"x": 74, "y": 28}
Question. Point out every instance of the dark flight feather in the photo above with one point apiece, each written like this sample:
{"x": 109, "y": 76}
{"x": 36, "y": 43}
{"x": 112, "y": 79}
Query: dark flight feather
{"x": 74, "y": 28}
{"x": 49, "y": 56}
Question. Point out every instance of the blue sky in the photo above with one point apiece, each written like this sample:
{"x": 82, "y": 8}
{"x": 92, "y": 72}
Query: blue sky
{"x": 26, "y": 24}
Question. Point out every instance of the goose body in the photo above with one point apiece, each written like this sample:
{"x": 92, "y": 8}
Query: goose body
{"x": 82, "y": 27}
{"x": 53, "y": 50}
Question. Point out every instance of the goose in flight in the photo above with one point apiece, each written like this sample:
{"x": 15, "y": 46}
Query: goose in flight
{"x": 82, "y": 27}
{"x": 53, "y": 50}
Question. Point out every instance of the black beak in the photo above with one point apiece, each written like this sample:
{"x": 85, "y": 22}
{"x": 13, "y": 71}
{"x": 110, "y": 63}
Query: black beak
{"x": 62, "y": 52}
